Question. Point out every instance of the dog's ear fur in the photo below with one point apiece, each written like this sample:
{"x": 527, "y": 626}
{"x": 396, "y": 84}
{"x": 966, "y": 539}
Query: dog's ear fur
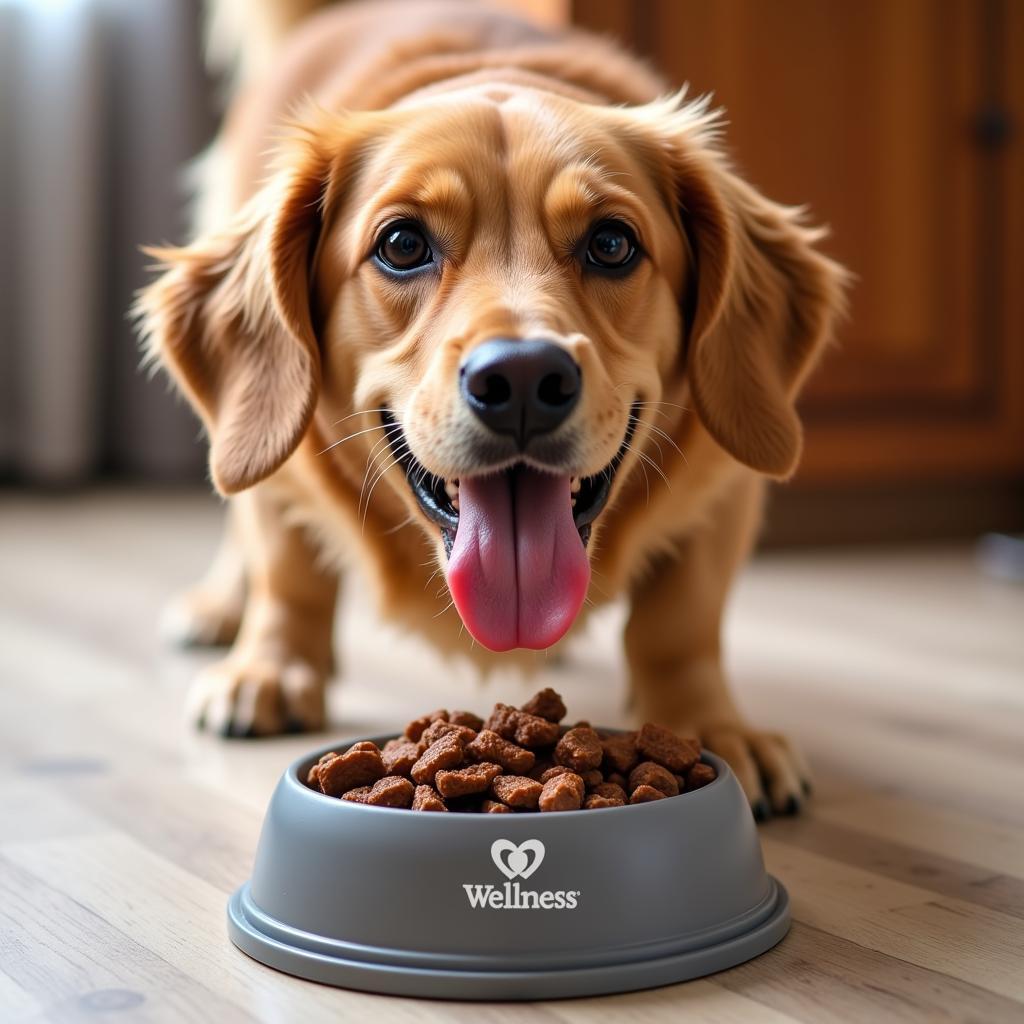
{"x": 229, "y": 318}
{"x": 761, "y": 306}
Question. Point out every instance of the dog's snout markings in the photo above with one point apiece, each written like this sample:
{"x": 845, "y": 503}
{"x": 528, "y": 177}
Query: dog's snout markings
{"x": 520, "y": 388}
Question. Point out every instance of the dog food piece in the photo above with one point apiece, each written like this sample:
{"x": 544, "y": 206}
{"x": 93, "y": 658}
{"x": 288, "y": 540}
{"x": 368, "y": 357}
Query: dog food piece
{"x": 489, "y": 746}
{"x": 436, "y": 730}
{"x": 619, "y": 780}
{"x": 593, "y": 802}
{"x": 610, "y": 791}
{"x": 357, "y": 796}
{"x": 647, "y": 773}
{"x": 468, "y": 719}
{"x": 365, "y": 745}
{"x": 399, "y": 759}
{"x": 313, "y": 776}
{"x": 645, "y": 794}
{"x": 546, "y": 704}
{"x": 534, "y": 731}
{"x": 494, "y": 807}
{"x": 517, "y": 791}
{"x": 666, "y": 748}
{"x": 474, "y": 778}
{"x": 554, "y": 771}
{"x": 447, "y": 752}
{"x": 502, "y": 720}
{"x": 579, "y": 749}
{"x": 391, "y": 791}
{"x": 620, "y": 753}
{"x": 426, "y": 799}
{"x": 520, "y": 727}
{"x": 562, "y": 793}
{"x": 700, "y": 775}
{"x": 415, "y": 729}
{"x": 358, "y": 766}
{"x": 540, "y": 766}
{"x": 591, "y": 778}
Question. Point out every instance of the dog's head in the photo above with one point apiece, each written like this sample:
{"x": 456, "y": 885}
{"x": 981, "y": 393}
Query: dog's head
{"x": 493, "y": 291}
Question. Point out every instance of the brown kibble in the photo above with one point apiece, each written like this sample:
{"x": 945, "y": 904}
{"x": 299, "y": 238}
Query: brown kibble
{"x": 546, "y": 704}
{"x": 540, "y": 766}
{"x": 468, "y": 719}
{"x": 398, "y": 760}
{"x": 619, "y": 780}
{"x": 474, "y": 778}
{"x": 415, "y": 729}
{"x": 579, "y": 749}
{"x": 426, "y": 799}
{"x": 667, "y": 749}
{"x": 645, "y": 794}
{"x": 593, "y": 802}
{"x": 358, "y": 766}
{"x": 391, "y": 791}
{"x": 562, "y": 793}
{"x": 447, "y": 752}
{"x": 620, "y": 753}
{"x": 592, "y": 778}
{"x": 610, "y": 791}
{"x": 502, "y": 720}
{"x": 489, "y": 746}
{"x": 554, "y": 771}
{"x": 440, "y": 727}
{"x": 365, "y": 745}
{"x": 700, "y": 775}
{"x": 494, "y": 807}
{"x": 647, "y": 773}
{"x": 534, "y": 731}
{"x": 357, "y": 796}
{"x": 517, "y": 791}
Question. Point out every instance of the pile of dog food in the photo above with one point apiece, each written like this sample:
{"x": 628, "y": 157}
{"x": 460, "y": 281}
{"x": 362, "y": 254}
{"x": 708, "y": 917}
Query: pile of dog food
{"x": 520, "y": 759}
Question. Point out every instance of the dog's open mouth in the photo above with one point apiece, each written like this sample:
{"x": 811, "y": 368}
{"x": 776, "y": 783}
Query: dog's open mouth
{"x": 517, "y": 568}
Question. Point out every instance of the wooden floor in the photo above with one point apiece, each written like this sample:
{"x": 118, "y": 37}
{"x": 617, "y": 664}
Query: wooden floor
{"x": 121, "y": 833}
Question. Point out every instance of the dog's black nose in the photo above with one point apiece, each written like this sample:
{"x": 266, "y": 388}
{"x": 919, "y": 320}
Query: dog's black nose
{"x": 521, "y": 388}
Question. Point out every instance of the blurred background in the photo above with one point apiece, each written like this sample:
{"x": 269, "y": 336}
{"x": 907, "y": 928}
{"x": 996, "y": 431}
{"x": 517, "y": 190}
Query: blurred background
{"x": 898, "y": 123}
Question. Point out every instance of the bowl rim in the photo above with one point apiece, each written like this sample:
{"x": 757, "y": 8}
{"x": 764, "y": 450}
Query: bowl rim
{"x": 294, "y": 778}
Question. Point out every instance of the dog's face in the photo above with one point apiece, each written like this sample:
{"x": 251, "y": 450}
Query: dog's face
{"x": 497, "y": 289}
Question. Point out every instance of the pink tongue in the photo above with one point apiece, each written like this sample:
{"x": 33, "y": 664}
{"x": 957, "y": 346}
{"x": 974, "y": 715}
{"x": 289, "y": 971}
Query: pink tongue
{"x": 518, "y": 571}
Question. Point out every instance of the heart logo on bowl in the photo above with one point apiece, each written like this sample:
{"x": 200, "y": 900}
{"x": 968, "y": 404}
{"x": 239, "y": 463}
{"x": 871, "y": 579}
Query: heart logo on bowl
{"x": 516, "y": 861}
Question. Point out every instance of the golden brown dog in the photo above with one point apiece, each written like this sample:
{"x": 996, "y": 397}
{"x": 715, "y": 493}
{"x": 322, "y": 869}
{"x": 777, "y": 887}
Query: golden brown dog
{"x": 464, "y": 292}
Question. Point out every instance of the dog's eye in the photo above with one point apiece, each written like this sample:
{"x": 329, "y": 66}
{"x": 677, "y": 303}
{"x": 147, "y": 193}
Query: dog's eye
{"x": 403, "y": 246}
{"x": 612, "y": 246}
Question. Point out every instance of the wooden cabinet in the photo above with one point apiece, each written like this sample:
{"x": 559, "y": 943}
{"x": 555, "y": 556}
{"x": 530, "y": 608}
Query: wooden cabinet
{"x": 901, "y": 124}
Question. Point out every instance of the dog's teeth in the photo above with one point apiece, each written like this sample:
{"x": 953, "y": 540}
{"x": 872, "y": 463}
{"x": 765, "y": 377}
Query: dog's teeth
{"x": 573, "y": 503}
{"x": 575, "y": 484}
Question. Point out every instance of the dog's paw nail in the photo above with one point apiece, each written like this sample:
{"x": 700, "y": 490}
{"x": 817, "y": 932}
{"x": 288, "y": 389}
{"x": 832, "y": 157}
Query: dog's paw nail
{"x": 762, "y": 812}
{"x": 793, "y": 805}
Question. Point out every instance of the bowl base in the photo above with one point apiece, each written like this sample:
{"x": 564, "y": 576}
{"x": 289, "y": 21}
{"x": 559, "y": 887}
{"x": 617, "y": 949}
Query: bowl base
{"x": 497, "y": 985}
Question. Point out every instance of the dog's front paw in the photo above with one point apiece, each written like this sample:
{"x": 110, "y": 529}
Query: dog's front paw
{"x": 768, "y": 766}
{"x": 255, "y": 696}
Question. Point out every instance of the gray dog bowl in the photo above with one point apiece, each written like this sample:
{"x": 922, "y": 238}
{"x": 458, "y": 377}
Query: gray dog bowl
{"x": 507, "y": 906}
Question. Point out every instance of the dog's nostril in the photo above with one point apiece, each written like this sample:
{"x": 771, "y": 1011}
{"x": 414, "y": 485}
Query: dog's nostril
{"x": 492, "y": 390}
{"x": 554, "y": 389}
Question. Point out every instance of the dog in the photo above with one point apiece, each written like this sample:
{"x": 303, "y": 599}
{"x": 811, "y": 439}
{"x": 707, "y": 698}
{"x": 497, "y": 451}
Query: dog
{"x": 476, "y": 298}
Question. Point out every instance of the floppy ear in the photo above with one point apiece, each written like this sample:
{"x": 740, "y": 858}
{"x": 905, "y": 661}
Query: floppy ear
{"x": 230, "y": 320}
{"x": 762, "y": 307}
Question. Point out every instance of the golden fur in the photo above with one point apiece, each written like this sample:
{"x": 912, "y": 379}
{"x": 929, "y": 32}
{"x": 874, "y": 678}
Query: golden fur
{"x": 509, "y": 141}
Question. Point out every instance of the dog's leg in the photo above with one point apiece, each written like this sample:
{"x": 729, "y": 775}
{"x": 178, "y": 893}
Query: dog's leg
{"x": 673, "y": 648}
{"x": 273, "y": 679}
{"x": 209, "y": 613}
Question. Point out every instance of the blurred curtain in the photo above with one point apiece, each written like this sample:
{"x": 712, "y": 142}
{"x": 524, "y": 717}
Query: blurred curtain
{"x": 102, "y": 104}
